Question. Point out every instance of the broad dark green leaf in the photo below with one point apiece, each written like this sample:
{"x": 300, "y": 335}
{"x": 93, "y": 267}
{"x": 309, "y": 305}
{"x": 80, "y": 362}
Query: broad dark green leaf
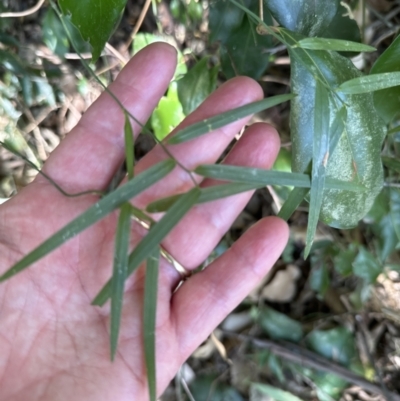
{"x": 95, "y": 19}
{"x": 152, "y": 240}
{"x": 343, "y": 261}
{"x": 370, "y": 83}
{"x": 149, "y": 320}
{"x": 391, "y": 163}
{"x": 386, "y": 236}
{"x": 307, "y": 17}
{"x": 356, "y": 156}
{"x": 212, "y": 123}
{"x": 95, "y": 213}
{"x": 244, "y": 53}
{"x": 260, "y": 177}
{"x": 319, "y": 161}
{"x": 337, "y": 45}
{"x": 279, "y": 326}
{"x": 121, "y": 253}
{"x": 206, "y": 195}
{"x": 319, "y": 277}
{"x": 366, "y": 266}
{"x": 336, "y": 344}
{"x": 129, "y": 147}
{"x": 196, "y": 85}
{"x": 387, "y": 101}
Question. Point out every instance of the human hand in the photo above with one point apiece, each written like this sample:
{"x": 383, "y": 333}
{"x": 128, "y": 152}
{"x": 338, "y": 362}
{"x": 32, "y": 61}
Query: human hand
{"x": 53, "y": 344}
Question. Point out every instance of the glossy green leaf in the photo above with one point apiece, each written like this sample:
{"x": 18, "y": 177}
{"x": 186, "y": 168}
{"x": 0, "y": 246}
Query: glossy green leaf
{"x": 209, "y": 388}
{"x": 149, "y": 320}
{"x": 259, "y": 391}
{"x": 387, "y": 101}
{"x": 386, "y": 236}
{"x": 152, "y": 240}
{"x": 95, "y": 19}
{"x": 307, "y": 17}
{"x": 95, "y": 213}
{"x": 366, "y": 266}
{"x": 257, "y": 176}
{"x": 319, "y": 276}
{"x": 212, "y": 123}
{"x": 336, "y": 344}
{"x": 356, "y": 156}
{"x": 168, "y": 114}
{"x": 370, "y": 83}
{"x": 391, "y": 163}
{"x": 319, "y": 161}
{"x": 196, "y": 85}
{"x": 334, "y": 45}
{"x": 279, "y": 326}
{"x": 395, "y": 210}
{"x": 121, "y": 252}
{"x": 206, "y": 195}
{"x": 242, "y": 50}
{"x": 129, "y": 147}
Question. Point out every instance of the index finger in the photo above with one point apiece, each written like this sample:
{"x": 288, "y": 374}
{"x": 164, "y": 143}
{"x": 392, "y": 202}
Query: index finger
{"x": 91, "y": 153}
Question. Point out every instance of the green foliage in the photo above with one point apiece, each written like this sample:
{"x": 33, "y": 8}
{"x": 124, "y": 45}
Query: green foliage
{"x": 95, "y": 19}
{"x": 387, "y": 101}
{"x": 243, "y": 51}
{"x": 196, "y": 85}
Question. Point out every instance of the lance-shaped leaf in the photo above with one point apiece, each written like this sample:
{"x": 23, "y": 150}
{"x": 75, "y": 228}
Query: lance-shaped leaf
{"x": 337, "y": 45}
{"x": 267, "y": 177}
{"x": 129, "y": 147}
{"x": 391, "y": 163}
{"x": 319, "y": 162}
{"x": 298, "y": 194}
{"x": 95, "y": 19}
{"x": 95, "y": 213}
{"x": 370, "y": 83}
{"x": 208, "y": 194}
{"x": 154, "y": 237}
{"x": 149, "y": 320}
{"x": 210, "y": 124}
{"x": 121, "y": 253}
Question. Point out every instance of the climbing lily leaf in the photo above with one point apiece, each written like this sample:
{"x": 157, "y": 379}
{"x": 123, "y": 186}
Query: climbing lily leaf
{"x": 95, "y": 213}
{"x": 121, "y": 254}
{"x": 152, "y": 240}
{"x": 370, "y": 83}
{"x": 210, "y": 124}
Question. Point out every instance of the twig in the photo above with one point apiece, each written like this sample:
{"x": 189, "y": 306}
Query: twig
{"x": 304, "y": 357}
{"x": 25, "y": 13}
{"x": 116, "y": 53}
{"x": 139, "y": 23}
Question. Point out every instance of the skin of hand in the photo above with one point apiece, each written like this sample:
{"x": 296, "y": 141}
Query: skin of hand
{"x": 53, "y": 344}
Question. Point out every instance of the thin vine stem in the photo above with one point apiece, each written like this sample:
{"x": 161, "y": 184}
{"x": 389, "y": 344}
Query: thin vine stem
{"x": 144, "y": 129}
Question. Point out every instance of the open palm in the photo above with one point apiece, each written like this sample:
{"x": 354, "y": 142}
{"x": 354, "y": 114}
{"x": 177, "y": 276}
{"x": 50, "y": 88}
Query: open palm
{"x": 53, "y": 344}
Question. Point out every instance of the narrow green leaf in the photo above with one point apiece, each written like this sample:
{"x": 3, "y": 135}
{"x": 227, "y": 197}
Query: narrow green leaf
{"x": 149, "y": 320}
{"x": 292, "y": 202}
{"x": 152, "y": 240}
{"x": 210, "y": 124}
{"x": 267, "y": 177}
{"x": 391, "y": 163}
{"x": 370, "y": 83}
{"x": 337, "y": 45}
{"x": 129, "y": 147}
{"x": 206, "y": 195}
{"x": 394, "y": 130}
{"x": 319, "y": 163}
{"x": 95, "y": 213}
{"x": 121, "y": 253}
{"x": 337, "y": 128}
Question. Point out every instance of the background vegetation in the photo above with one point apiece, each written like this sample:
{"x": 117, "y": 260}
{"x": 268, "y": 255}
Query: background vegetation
{"x": 326, "y": 327}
